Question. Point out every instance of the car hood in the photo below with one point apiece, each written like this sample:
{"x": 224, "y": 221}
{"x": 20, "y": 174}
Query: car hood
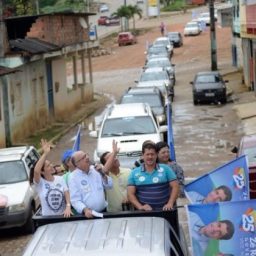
{"x": 15, "y": 193}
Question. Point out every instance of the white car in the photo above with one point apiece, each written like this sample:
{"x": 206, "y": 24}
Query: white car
{"x": 21, "y": 200}
{"x": 192, "y": 29}
{"x": 204, "y": 17}
{"x": 103, "y": 8}
{"x": 157, "y": 77}
{"x": 164, "y": 41}
{"x": 129, "y": 125}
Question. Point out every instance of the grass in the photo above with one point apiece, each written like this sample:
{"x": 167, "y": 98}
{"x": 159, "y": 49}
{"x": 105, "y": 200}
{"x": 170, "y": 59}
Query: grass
{"x": 177, "y": 5}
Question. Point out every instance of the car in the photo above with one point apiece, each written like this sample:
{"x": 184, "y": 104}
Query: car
{"x": 204, "y": 17}
{"x": 151, "y": 95}
{"x": 165, "y": 63}
{"x": 103, "y": 8}
{"x": 247, "y": 146}
{"x": 165, "y": 42}
{"x": 129, "y": 233}
{"x": 209, "y": 87}
{"x": 158, "y": 77}
{"x": 125, "y": 38}
{"x": 175, "y": 38}
{"x": 16, "y": 189}
{"x": 108, "y": 21}
{"x": 156, "y": 52}
{"x": 129, "y": 125}
{"x": 192, "y": 29}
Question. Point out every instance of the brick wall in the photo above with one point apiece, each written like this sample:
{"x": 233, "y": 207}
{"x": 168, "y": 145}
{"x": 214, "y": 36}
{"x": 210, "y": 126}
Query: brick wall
{"x": 60, "y": 30}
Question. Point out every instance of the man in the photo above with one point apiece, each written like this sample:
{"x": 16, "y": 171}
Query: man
{"x": 201, "y": 233}
{"x": 152, "y": 186}
{"x": 219, "y": 194}
{"x": 117, "y": 196}
{"x": 86, "y": 186}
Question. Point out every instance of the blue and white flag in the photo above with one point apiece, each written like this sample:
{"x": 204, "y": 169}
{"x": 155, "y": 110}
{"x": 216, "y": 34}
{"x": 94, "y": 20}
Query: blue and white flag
{"x": 76, "y": 146}
{"x": 227, "y": 228}
{"x": 229, "y": 182}
{"x": 170, "y": 139}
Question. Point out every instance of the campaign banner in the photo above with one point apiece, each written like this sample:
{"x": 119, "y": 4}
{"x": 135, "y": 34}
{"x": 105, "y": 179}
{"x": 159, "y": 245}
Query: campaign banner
{"x": 223, "y": 229}
{"x": 229, "y": 182}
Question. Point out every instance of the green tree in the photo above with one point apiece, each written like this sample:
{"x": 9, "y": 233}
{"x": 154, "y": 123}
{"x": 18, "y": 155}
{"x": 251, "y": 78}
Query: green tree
{"x": 123, "y": 12}
{"x": 135, "y": 10}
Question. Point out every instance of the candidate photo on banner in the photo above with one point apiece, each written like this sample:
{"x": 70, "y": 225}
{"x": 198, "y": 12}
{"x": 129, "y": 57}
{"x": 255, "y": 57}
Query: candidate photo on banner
{"x": 229, "y": 182}
{"x": 227, "y": 228}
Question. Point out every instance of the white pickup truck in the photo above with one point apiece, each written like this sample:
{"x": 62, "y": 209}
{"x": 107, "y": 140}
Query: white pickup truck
{"x": 18, "y": 199}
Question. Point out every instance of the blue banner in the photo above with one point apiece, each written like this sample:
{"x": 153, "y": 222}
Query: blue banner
{"x": 76, "y": 146}
{"x": 229, "y": 182}
{"x": 227, "y": 228}
{"x": 170, "y": 139}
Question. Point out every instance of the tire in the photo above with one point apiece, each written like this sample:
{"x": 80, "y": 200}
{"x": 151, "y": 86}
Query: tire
{"x": 195, "y": 101}
{"x": 29, "y": 226}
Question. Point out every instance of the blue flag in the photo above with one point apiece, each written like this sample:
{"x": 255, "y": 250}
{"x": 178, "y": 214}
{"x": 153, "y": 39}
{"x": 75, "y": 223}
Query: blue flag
{"x": 229, "y": 182}
{"x": 76, "y": 145}
{"x": 170, "y": 140}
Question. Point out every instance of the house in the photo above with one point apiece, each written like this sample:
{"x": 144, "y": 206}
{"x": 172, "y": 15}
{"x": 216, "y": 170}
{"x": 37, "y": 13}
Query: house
{"x": 248, "y": 36}
{"x": 52, "y": 53}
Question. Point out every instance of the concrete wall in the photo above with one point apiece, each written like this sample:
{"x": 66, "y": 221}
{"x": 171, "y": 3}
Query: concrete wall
{"x": 28, "y": 110}
{"x": 2, "y": 129}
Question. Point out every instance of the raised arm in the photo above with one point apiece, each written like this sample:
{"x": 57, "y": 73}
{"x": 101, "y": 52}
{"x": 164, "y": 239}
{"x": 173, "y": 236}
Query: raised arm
{"x": 46, "y": 146}
{"x": 111, "y": 158}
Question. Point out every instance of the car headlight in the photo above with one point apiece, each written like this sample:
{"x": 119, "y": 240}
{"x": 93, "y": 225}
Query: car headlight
{"x": 17, "y": 207}
{"x": 161, "y": 118}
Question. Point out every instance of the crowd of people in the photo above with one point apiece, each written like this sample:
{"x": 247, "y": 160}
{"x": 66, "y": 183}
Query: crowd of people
{"x": 87, "y": 188}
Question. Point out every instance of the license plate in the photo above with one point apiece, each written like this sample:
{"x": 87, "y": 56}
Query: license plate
{"x": 209, "y": 94}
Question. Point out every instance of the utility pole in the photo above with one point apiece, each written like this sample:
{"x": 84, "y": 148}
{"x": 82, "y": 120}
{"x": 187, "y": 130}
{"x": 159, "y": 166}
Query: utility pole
{"x": 213, "y": 37}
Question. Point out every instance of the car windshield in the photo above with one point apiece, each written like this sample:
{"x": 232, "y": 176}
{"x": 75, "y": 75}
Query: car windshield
{"x": 12, "y": 172}
{"x": 151, "y": 99}
{"x": 251, "y": 154}
{"x": 191, "y": 25}
{"x": 128, "y": 126}
{"x": 173, "y": 36}
{"x": 156, "y": 50}
{"x": 162, "y": 42}
{"x": 158, "y": 63}
{"x": 153, "y": 76}
{"x": 208, "y": 79}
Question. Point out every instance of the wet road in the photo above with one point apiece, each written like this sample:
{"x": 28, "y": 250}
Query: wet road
{"x": 204, "y": 134}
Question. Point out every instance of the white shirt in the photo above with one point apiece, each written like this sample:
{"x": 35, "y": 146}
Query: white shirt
{"x": 195, "y": 198}
{"x": 87, "y": 190}
{"x": 51, "y": 194}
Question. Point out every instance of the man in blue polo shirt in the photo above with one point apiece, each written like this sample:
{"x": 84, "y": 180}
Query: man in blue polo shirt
{"x": 152, "y": 186}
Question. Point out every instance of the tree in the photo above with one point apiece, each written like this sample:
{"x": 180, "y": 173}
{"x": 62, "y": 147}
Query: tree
{"x": 123, "y": 12}
{"x": 134, "y": 9}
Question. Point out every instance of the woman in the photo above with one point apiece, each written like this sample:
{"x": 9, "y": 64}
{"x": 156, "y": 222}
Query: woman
{"x": 52, "y": 190}
{"x": 163, "y": 156}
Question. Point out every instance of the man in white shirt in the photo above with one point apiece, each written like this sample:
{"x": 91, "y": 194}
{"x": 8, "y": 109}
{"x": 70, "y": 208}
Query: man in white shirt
{"x": 86, "y": 186}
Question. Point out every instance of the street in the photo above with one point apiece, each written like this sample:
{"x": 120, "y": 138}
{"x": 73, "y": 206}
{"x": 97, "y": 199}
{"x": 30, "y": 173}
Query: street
{"x": 203, "y": 134}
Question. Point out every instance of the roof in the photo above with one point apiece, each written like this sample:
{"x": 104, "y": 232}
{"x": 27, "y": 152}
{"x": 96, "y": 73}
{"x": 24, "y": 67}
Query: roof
{"x": 129, "y": 110}
{"x": 33, "y": 45}
{"x": 12, "y": 153}
{"x": 5, "y": 71}
{"x": 143, "y": 90}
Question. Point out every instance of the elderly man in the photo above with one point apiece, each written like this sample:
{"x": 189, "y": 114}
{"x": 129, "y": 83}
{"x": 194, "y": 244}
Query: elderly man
{"x": 201, "y": 233}
{"x": 86, "y": 186}
{"x": 152, "y": 186}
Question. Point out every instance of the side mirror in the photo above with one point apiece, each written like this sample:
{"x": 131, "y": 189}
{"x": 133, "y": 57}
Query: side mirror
{"x": 191, "y": 82}
{"x": 136, "y": 81}
{"x": 226, "y": 81}
{"x": 234, "y": 150}
{"x": 93, "y": 134}
{"x": 173, "y": 65}
{"x": 163, "y": 128}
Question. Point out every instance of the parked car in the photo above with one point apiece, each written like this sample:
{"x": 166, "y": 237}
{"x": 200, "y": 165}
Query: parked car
{"x": 165, "y": 63}
{"x": 204, "y": 17}
{"x": 108, "y": 21}
{"x": 247, "y": 146}
{"x": 151, "y": 95}
{"x": 103, "y": 8}
{"x": 102, "y": 20}
{"x": 175, "y": 38}
{"x": 209, "y": 87}
{"x": 129, "y": 233}
{"x": 21, "y": 198}
{"x": 129, "y": 125}
{"x": 192, "y": 29}
{"x": 165, "y": 42}
{"x": 156, "y": 52}
{"x": 125, "y": 38}
{"x": 158, "y": 77}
